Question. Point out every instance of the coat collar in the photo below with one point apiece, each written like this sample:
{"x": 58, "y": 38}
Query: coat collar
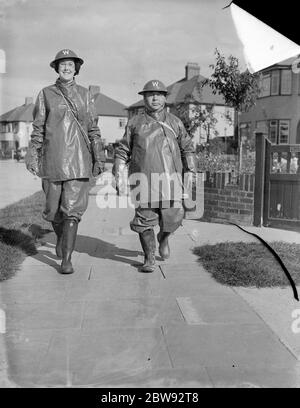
{"x": 159, "y": 116}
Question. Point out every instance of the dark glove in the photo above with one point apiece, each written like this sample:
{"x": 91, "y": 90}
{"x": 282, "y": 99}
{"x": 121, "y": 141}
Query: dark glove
{"x": 32, "y": 160}
{"x": 99, "y": 156}
{"x": 120, "y": 172}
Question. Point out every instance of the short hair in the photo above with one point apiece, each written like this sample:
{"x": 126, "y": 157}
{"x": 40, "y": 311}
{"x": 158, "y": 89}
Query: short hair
{"x": 77, "y": 66}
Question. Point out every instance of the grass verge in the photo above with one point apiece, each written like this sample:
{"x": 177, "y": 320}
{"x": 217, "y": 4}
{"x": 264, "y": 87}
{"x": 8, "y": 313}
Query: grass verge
{"x": 250, "y": 264}
{"x": 21, "y": 228}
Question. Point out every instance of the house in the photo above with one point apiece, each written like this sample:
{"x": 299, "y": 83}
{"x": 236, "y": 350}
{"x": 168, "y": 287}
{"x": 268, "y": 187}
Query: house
{"x": 191, "y": 88}
{"x": 112, "y": 116}
{"x": 16, "y": 125}
{"x": 277, "y": 109}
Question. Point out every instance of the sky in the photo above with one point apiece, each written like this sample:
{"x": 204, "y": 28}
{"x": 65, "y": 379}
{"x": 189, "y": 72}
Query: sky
{"x": 124, "y": 43}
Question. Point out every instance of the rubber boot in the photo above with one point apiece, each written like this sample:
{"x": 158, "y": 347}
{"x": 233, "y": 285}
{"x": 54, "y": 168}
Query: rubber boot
{"x": 58, "y": 229}
{"x": 147, "y": 239}
{"x": 163, "y": 249}
{"x": 68, "y": 245}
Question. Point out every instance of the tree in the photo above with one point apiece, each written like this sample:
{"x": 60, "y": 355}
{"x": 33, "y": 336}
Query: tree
{"x": 194, "y": 115}
{"x": 239, "y": 89}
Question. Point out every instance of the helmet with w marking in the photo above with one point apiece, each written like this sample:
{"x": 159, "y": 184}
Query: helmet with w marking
{"x": 154, "y": 86}
{"x": 66, "y": 54}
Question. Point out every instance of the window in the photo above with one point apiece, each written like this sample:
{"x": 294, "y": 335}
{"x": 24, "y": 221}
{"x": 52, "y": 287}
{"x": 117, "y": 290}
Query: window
{"x": 278, "y": 131}
{"x": 273, "y": 133}
{"x": 286, "y": 82}
{"x": 122, "y": 123}
{"x": 4, "y": 145}
{"x": 284, "y": 130}
{"x": 15, "y": 127}
{"x": 265, "y": 85}
{"x": 275, "y": 82}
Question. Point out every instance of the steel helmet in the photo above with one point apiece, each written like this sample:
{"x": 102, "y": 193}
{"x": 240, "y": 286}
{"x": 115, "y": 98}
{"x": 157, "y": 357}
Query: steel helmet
{"x": 66, "y": 53}
{"x": 152, "y": 86}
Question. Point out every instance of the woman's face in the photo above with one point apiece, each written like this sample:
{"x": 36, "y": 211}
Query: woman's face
{"x": 66, "y": 69}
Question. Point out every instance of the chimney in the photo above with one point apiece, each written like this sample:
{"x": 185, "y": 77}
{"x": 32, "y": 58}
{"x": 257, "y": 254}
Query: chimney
{"x": 94, "y": 90}
{"x": 191, "y": 69}
{"x": 28, "y": 100}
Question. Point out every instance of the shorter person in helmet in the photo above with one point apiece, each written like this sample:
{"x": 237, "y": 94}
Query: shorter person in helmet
{"x": 157, "y": 149}
{"x": 65, "y": 150}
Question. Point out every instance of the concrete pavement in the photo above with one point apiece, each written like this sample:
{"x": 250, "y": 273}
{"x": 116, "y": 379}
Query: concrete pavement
{"x": 108, "y": 325}
{"x": 16, "y": 182}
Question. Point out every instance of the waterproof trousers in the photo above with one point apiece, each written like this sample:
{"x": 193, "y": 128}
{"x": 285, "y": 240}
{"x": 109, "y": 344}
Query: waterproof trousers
{"x": 169, "y": 219}
{"x": 65, "y": 199}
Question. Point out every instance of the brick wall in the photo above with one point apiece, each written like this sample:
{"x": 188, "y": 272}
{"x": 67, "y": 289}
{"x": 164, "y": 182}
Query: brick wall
{"x": 229, "y": 198}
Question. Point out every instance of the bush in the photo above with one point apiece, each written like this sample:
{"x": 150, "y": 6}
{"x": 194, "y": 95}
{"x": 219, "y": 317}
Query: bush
{"x": 216, "y": 163}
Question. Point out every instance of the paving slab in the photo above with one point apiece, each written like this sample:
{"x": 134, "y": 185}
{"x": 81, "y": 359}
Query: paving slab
{"x": 136, "y": 313}
{"x": 84, "y": 357}
{"x": 172, "y": 270}
{"x": 212, "y": 233}
{"x": 232, "y": 345}
{"x": 36, "y": 291}
{"x": 43, "y": 257}
{"x": 221, "y": 309}
{"x": 17, "y": 182}
{"x": 258, "y": 377}
{"x": 44, "y": 315}
{"x": 150, "y": 378}
{"x": 105, "y": 290}
{"x": 25, "y": 350}
{"x": 192, "y": 286}
{"x": 129, "y": 258}
{"x": 112, "y": 270}
{"x": 32, "y": 273}
{"x": 279, "y": 310}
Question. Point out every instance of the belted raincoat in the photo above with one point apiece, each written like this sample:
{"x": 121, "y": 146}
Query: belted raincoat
{"x": 64, "y": 153}
{"x": 157, "y": 145}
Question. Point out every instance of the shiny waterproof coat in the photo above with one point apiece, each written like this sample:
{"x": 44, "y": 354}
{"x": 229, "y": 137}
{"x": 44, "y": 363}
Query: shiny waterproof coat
{"x": 148, "y": 147}
{"x": 56, "y": 136}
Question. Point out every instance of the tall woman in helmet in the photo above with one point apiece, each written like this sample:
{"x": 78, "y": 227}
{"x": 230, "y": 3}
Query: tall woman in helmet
{"x": 64, "y": 143}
